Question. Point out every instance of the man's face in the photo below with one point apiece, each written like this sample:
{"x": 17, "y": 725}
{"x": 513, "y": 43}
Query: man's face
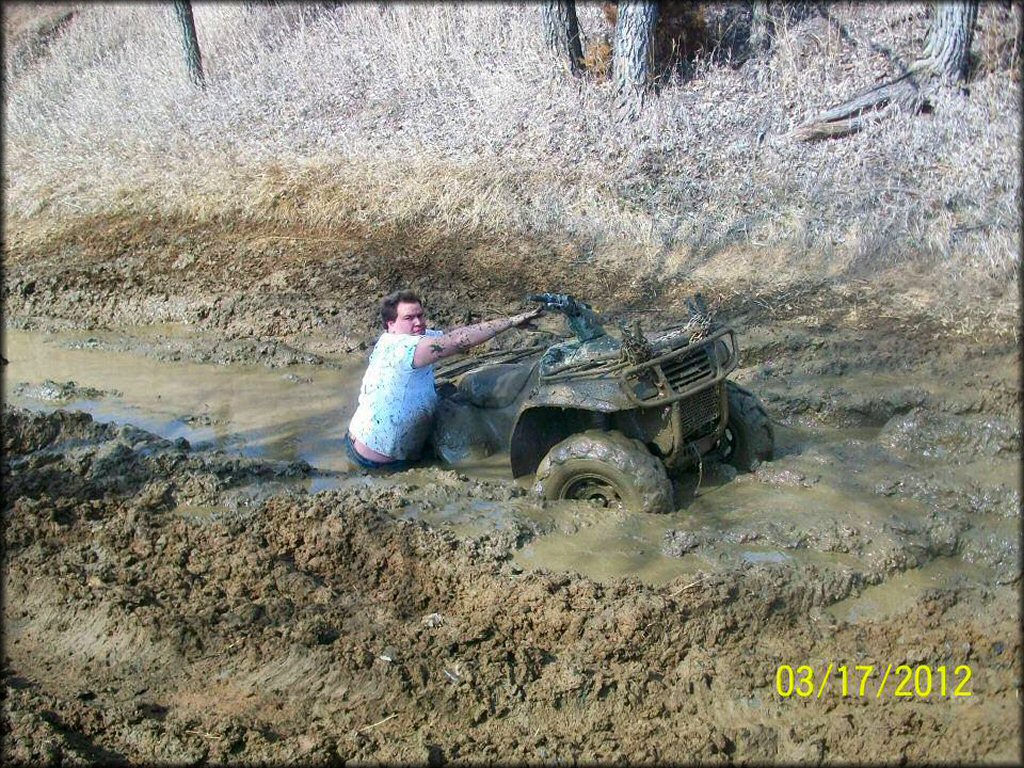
{"x": 409, "y": 319}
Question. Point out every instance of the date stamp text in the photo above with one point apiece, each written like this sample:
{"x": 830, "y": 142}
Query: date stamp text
{"x": 902, "y": 681}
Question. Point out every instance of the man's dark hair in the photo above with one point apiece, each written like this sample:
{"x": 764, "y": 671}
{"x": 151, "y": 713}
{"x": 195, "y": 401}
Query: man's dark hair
{"x": 389, "y": 304}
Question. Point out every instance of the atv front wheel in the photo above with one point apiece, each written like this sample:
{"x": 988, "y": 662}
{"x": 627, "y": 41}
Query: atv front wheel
{"x": 749, "y": 437}
{"x": 606, "y": 467}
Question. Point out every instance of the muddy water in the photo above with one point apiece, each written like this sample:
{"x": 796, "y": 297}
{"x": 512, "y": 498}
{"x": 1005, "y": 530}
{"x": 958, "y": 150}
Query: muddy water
{"x": 827, "y": 500}
{"x": 901, "y": 592}
{"x": 286, "y": 415}
{"x": 292, "y": 415}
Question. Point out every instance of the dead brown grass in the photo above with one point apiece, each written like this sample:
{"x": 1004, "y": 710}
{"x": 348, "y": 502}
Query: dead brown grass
{"x": 449, "y": 122}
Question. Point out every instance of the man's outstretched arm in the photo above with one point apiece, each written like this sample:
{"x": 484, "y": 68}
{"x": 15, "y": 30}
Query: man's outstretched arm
{"x": 430, "y": 349}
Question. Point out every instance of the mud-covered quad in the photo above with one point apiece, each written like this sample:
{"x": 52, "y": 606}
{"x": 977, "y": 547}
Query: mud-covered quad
{"x": 602, "y": 418}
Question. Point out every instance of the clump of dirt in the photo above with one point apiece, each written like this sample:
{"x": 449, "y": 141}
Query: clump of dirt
{"x": 954, "y": 438}
{"x": 62, "y": 458}
{"x": 61, "y": 391}
{"x": 325, "y": 627}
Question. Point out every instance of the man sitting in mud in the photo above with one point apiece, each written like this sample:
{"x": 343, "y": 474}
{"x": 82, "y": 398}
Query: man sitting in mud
{"x": 397, "y": 398}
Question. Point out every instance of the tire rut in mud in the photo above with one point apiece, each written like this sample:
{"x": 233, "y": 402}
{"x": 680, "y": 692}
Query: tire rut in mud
{"x": 324, "y": 627}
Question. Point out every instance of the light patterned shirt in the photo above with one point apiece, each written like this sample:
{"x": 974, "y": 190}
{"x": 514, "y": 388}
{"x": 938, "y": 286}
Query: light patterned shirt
{"x": 396, "y": 401}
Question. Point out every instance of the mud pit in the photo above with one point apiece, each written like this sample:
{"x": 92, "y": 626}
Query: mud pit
{"x": 192, "y": 579}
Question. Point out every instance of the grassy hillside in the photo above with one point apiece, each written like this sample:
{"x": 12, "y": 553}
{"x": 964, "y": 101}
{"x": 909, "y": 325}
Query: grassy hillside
{"x": 451, "y": 121}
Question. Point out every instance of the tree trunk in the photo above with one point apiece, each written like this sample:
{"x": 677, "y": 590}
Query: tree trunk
{"x": 947, "y": 52}
{"x": 193, "y": 59}
{"x": 562, "y": 32}
{"x": 761, "y": 26}
{"x": 631, "y": 50}
{"x": 944, "y": 61}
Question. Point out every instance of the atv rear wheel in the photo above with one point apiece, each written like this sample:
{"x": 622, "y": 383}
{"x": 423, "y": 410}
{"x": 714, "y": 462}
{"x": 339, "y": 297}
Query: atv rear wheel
{"x": 606, "y": 467}
{"x": 749, "y": 437}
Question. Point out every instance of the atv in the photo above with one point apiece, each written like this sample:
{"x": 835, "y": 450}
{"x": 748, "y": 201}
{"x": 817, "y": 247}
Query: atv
{"x": 601, "y": 418}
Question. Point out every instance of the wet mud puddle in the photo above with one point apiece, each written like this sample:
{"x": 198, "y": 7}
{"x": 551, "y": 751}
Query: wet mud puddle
{"x": 295, "y": 414}
{"x": 865, "y": 504}
{"x": 291, "y": 414}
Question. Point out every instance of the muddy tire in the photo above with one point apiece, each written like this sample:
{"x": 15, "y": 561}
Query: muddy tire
{"x": 749, "y": 436}
{"x": 606, "y": 467}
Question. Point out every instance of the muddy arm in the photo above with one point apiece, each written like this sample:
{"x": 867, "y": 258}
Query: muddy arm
{"x": 430, "y": 349}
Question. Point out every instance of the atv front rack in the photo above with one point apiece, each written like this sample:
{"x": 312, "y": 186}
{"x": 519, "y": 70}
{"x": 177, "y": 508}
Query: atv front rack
{"x": 681, "y": 372}
{"x": 667, "y": 377}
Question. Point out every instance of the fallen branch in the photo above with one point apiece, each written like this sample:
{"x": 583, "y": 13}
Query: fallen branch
{"x": 906, "y": 93}
{"x": 204, "y": 733}
{"x": 379, "y": 722}
{"x": 688, "y": 586}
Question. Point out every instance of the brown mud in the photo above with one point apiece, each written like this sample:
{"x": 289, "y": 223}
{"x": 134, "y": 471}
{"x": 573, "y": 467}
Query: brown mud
{"x": 169, "y": 602}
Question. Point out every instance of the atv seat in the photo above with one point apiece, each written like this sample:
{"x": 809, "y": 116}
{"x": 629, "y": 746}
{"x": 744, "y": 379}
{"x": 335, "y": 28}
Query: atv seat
{"x": 495, "y": 386}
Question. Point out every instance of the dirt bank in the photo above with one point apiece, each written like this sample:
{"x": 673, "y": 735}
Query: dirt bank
{"x": 171, "y": 604}
{"x": 292, "y": 628}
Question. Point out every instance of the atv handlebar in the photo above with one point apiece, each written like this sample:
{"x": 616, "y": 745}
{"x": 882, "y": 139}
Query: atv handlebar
{"x": 561, "y": 302}
{"x": 581, "y": 318}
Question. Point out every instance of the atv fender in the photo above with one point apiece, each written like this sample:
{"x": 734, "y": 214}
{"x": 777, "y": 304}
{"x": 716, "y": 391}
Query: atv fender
{"x": 557, "y": 411}
{"x": 540, "y": 429}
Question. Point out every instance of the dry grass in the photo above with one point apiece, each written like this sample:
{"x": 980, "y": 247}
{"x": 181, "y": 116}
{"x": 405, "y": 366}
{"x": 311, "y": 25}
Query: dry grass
{"x": 451, "y": 117}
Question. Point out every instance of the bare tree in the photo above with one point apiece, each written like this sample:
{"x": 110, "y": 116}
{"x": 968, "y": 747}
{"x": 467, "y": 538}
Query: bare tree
{"x": 193, "y": 59}
{"x": 562, "y": 32}
{"x": 943, "y": 62}
{"x": 761, "y": 26}
{"x": 632, "y": 50}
